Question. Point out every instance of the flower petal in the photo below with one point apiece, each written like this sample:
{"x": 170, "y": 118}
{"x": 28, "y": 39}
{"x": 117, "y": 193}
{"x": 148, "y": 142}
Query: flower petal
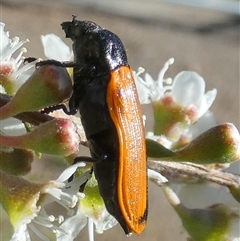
{"x": 55, "y": 48}
{"x": 188, "y": 88}
{"x": 4, "y": 38}
{"x": 106, "y": 222}
{"x": 206, "y": 102}
{"x": 72, "y": 227}
{"x": 21, "y": 234}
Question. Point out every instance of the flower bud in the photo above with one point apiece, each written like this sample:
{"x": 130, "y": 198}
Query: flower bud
{"x": 24, "y": 202}
{"x": 49, "y": 85}
{"x": 220, "y": 144}
{"x": 213, "y": 223}
{"x": 56, "y": 137}
{"x": 210, "y": 224}
{"x": 19, "y": 198}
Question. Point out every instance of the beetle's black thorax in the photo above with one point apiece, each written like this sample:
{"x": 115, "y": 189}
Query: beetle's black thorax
{"x": 100, "y": 50}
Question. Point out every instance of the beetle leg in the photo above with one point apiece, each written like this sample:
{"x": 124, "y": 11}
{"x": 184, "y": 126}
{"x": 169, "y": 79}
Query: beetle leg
{"x": 55, "y": 63}
{"x": 62, "y": 107}
{"x": 84, "y": 159}
{"x": 86, "y": 69}
{"x": 67, "y": 64}
{"x": 48, "y": 62}
{"x": 50, "y": 109}
{"x": 29, "y": 59}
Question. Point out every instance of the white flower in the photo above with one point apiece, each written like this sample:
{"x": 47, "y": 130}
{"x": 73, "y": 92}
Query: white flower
{"x": 202, "y": 195}
{"x": 178, "y": 104}
{"x": 55, "y": 48}
{"x": 219, "y": 221}
{"x": 33, "y": 215}
{"x": 13, "y": 75}
{"x": 187, "y": 89}
{"x": 91, "y": 211}
{"x": 72, "y": 226}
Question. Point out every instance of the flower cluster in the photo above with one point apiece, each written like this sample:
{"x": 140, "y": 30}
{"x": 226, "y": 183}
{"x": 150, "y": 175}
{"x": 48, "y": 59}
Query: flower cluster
{"x": 32, "y": 90}
{"x": 185, "y": 135}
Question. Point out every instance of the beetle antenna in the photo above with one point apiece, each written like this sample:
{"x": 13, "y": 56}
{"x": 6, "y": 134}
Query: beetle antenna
{"x": 73, "y": 18}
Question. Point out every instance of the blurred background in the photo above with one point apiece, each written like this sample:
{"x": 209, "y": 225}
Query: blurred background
{"x": 202, "y": 36}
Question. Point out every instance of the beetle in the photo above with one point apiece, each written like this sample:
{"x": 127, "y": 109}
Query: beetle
{"x": 105, "y": 94}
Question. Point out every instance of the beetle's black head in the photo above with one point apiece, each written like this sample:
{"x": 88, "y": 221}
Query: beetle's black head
{"x": 96, "y": 47}
{"x": 76, "y": 29}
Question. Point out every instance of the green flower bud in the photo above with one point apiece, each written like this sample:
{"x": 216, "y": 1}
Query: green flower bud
{"x": 220, "y": 144}
{"x": 49, "y": 85}
{"x": 24, "y": 202}
{"x": 57, "y": 137}
{"x": 19, "y": 198}
{"x": 210, "y": 224}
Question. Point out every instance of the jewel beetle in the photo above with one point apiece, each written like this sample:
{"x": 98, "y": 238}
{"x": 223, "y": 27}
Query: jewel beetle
{"x": 105, "y": 94}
